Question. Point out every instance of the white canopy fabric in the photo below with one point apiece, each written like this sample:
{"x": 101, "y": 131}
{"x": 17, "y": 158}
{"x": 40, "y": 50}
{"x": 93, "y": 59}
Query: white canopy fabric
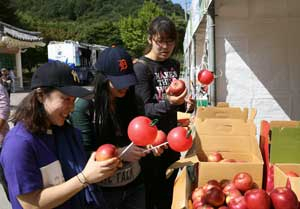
{"x": 198, "y": 11}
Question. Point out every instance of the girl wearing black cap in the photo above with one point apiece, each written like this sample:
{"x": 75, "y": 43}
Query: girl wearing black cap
{"x": 155, "y": 71}
{"x": 42, "y": 156}
{"x": 106, "y": 121}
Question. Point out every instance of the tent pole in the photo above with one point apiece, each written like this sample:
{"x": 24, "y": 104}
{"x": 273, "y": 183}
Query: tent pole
{"x": 211, "y": 49}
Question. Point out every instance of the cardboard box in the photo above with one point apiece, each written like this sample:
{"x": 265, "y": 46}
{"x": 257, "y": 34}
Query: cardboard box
{"x": 230, "y": 131}
{"x": 280, "y": 178}
{"x": 234, "y": 139}
{"x": 279, "y": 143}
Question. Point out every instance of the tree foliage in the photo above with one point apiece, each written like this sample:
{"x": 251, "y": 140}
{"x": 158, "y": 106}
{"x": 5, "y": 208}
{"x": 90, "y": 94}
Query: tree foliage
{"x": 101, "y": 22}
{"x": 133, "y": 30}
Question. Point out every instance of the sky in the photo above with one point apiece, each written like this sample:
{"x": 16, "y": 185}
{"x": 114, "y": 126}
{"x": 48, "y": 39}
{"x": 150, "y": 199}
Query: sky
{"x": 183, "y": 3}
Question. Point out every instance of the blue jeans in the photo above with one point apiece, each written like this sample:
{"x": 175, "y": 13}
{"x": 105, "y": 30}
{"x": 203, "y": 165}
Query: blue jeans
{"x": 130, "y": 198}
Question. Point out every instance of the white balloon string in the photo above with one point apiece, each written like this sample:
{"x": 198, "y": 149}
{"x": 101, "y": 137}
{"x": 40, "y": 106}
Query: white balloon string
{"x": 125, "y": 150}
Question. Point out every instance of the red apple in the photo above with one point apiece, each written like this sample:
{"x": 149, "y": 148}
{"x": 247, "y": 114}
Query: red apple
{"x": 211, "y": 184}
{"x": 233, "y": 193}
{"x": 257, "y": 198}
{"x": 205, "y": 77}
{"x": 243, "y": 181}
{"x": 291, "y": 174}
{"x": 238, "y": 203}
{"x": 205, "y": 207}
{"x": 198, "y": 193}
{"x": 228, "y": 187}
{"x": 160, "y": 138}
{"x": 199, "y": 202}
{"x": 223, "y": 207}
{"x": 228, "y": 161}
{"x": 106, "y": 151}
{"x": 215, "y": 197}
{"x": 176, "y": 87}
{"x": 224, "y": 183}
{"x": 284, "y": 198}
{"x": 214, "y": 157}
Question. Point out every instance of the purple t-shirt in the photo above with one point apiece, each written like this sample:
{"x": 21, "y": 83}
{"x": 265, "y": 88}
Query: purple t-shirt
{"x": 29, "y": 163}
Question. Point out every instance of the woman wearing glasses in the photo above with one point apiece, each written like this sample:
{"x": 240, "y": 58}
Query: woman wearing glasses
{"x": 155, "y": 71}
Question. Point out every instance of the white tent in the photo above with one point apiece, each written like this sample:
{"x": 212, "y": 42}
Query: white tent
{"x": 256, "y": 46}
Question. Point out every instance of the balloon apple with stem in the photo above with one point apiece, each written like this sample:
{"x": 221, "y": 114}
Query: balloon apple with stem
{"x": 180, "y": 139}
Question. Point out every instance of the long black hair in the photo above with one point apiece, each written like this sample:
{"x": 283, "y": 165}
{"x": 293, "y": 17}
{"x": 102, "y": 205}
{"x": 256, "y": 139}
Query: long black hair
{"x": 125, "y": 108}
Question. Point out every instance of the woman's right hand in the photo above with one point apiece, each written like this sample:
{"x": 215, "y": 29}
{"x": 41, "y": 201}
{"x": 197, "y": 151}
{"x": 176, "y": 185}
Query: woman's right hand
{"x": 96, "y": 171}
{"x": 176, "y": 100}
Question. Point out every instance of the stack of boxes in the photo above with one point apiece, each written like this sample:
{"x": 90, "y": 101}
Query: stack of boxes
{"x": 230, "y": 131}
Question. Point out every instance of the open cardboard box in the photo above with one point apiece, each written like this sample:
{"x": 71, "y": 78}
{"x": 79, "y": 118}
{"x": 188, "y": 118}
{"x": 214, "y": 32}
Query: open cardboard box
{"x": 279, "y": 143}
{"x": 234, "y": 139}
{"x": 217, "y": 131}
{"x": 280, "y": 177}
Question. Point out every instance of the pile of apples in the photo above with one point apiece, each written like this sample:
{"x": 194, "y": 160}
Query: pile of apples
{"x": 241, "y": 193}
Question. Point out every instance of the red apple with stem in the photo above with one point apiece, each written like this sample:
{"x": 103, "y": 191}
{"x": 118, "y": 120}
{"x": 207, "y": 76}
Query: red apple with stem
{"x": 205, "y": 77}
{"x": 142, "y": 130}
{"x": 257, "y": 198}
{"x": 106, "y": 151}
{"x": 243, "y": 181}
{"x": 214, "y": 157}
{"x": 180, "y": 139}
{"x": 176, "y": 87}
{"x": 284, "y": 198}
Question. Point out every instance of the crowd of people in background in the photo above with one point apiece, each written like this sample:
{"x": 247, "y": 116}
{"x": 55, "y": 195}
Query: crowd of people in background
{"x": 48, "y": 157}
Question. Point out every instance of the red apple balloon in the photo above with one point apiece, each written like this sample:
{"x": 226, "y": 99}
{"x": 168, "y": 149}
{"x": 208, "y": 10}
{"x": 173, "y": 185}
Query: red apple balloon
{"x": 176, "y": 87}
{"x": 205, "y": 77}
{"x": 284, "y": 198}
{"x": 160, "y": 138}
{"x": 243, "y": 181}
{"x": 257, "y": 198}
{"x": 180, "y": 139}
{"x": 106, "y": 151}
{"x": 142, "y": 131}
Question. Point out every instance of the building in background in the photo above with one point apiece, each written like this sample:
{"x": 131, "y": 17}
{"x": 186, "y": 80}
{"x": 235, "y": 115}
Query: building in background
{"x": 13, "y": 41}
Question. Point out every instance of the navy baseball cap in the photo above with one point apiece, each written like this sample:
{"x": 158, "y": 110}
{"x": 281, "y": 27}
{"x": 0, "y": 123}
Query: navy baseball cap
{"x": 60, "y": 76}
{"x": 116, "y": 64}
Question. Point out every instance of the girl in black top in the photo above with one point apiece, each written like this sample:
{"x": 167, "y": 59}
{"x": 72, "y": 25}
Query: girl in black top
{"x": 155, "y": 71}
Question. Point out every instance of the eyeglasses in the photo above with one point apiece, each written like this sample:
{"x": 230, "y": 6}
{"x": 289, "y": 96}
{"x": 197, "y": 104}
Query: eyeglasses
{"x": 162, "y": 42}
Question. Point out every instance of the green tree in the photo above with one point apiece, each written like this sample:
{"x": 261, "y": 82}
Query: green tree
{"x": 133, "y": 30}
{"x": 7, "y": 12}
